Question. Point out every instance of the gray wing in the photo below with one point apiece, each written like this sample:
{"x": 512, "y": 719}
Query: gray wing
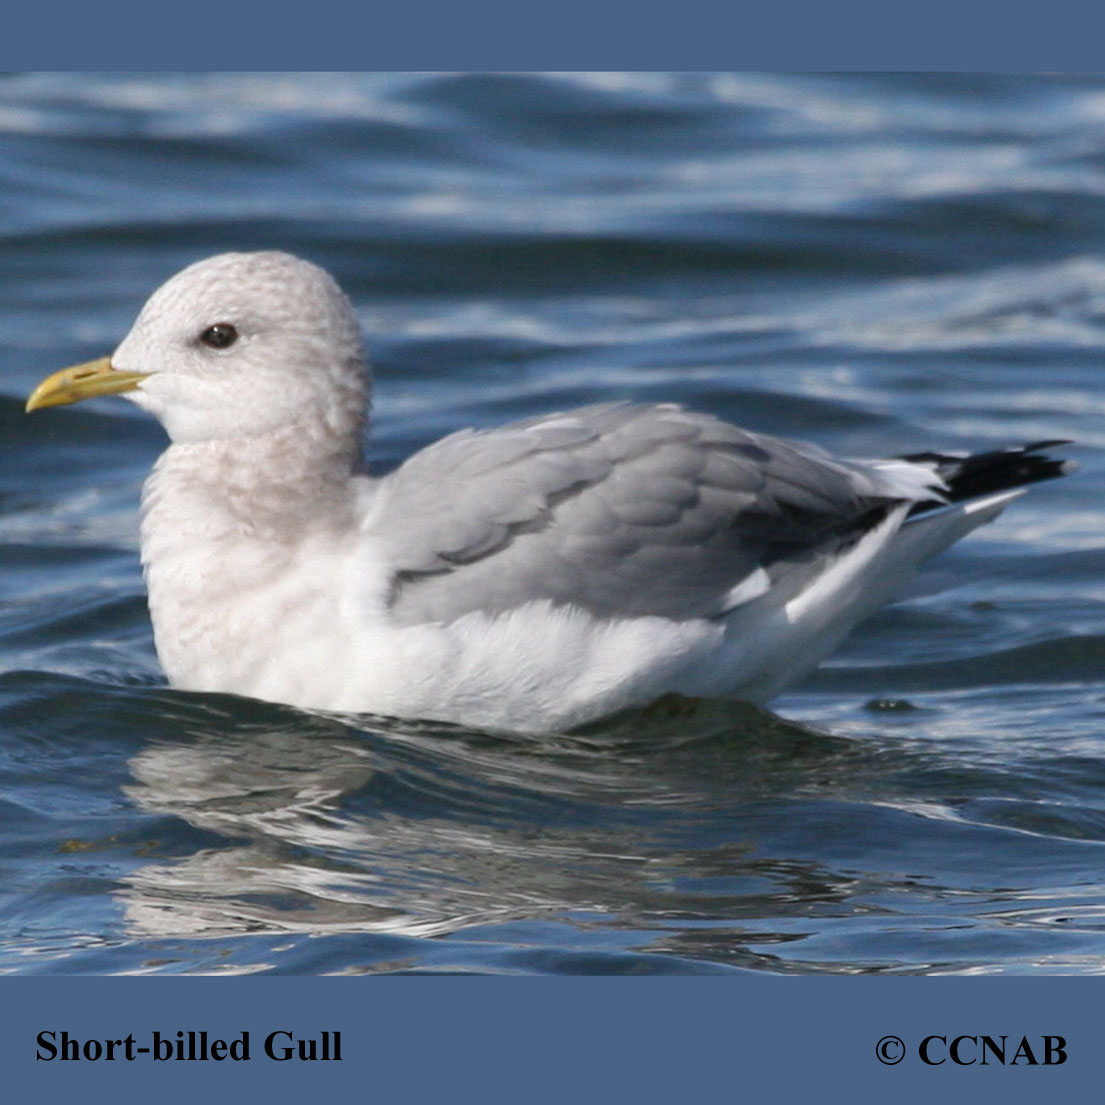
{"x": 620, "y": 509}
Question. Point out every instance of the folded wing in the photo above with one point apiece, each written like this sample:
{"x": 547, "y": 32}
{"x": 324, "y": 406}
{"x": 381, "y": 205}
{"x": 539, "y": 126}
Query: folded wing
{"x": 622, "y": 510}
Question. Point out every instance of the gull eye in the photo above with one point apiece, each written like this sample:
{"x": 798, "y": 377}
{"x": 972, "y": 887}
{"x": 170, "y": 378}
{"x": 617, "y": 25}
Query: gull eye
{"x": 220, "y": 335}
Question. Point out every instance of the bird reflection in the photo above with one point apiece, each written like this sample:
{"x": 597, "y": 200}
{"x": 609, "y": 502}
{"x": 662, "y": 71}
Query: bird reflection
{"x": 280, "y": 821}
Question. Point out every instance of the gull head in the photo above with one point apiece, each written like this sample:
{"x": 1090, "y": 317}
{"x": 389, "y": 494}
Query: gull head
{"x": 235, "y": 346}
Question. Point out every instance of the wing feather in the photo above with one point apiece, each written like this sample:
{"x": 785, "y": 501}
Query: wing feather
{"x": 620, "y": 509}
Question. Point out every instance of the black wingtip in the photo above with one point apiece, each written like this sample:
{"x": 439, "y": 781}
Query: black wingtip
{"x": 971, "y": 477}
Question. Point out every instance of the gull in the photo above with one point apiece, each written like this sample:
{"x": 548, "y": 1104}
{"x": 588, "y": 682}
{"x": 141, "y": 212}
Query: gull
{"x": 528, "y": 578}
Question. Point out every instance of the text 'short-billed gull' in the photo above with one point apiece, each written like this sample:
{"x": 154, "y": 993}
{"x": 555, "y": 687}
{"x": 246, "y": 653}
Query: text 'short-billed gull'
{"x": 532, "y": 577}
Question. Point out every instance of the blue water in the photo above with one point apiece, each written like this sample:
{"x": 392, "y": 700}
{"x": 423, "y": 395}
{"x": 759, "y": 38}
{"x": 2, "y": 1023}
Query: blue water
{"x": 880, "y": 264}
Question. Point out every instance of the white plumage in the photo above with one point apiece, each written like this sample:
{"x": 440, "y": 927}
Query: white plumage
{"x": 533, "y": 577}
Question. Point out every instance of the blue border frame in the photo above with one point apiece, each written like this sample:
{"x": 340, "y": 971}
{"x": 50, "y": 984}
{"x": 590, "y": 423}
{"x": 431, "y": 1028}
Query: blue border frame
{"x": 537, "y": 1040}
{"x": 992, "y": 35}
{"x": 559, "y": 1040}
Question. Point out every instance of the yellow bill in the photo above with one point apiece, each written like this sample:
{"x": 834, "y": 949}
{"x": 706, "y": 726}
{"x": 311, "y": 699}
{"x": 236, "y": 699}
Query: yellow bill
{"x": 82, "y": 381}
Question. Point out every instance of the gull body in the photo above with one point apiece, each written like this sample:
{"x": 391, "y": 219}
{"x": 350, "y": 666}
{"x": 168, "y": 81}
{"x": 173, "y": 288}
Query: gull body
{"x": 531, "y": 578}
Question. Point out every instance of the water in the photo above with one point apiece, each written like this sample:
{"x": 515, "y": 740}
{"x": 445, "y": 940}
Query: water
{"x": 880, "y": 264}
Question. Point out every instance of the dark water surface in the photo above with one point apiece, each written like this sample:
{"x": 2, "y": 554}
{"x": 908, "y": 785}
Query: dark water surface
{"x": 881, "y": 264}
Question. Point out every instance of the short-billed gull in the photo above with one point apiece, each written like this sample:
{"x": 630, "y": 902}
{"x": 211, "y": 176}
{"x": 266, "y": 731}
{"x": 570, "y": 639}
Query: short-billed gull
{"x": 532, "y": 577}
